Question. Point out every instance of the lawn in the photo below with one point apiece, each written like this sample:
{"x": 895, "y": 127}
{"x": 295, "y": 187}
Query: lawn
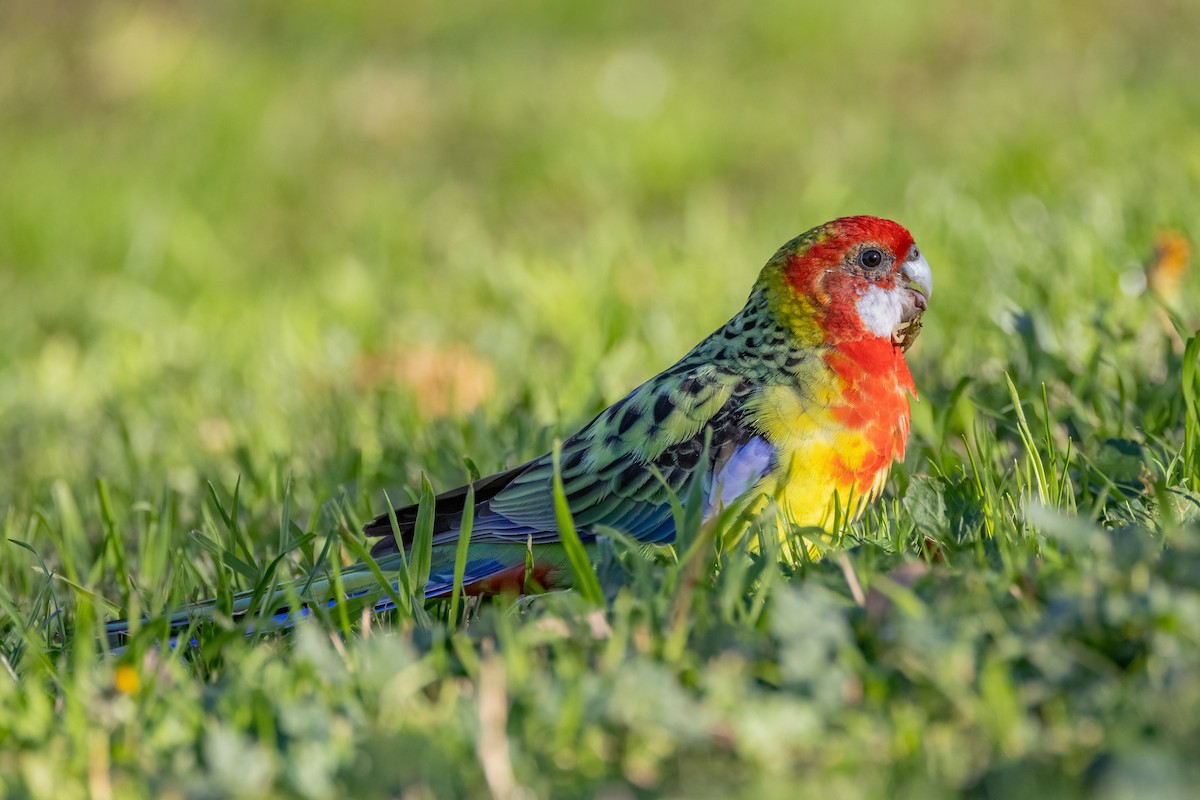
{"x": 262, "y": 263}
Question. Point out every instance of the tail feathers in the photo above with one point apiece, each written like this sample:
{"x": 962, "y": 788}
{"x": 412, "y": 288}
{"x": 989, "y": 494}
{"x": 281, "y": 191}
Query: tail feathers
{"x": 447, "y": 512}
{"x": 482, "y": 576}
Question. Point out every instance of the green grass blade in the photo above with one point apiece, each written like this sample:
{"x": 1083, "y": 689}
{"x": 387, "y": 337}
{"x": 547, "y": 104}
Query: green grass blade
{"x": 225, "y": 556}
{"x": 460, "y": 554}
{"x": 582, "y": 571}
{"x": 422, "y": 547}
{"x": 402, "y": 601}
{"x": 403, "y": 571}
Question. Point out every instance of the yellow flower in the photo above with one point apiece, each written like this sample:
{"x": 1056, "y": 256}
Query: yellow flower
{"x": 127, "y": 680}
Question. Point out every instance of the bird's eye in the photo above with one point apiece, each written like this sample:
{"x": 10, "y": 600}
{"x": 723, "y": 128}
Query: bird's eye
{"x": 870, "y": 258}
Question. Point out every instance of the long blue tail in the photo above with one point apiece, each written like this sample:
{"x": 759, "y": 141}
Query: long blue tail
{"x": 289, "y": 607}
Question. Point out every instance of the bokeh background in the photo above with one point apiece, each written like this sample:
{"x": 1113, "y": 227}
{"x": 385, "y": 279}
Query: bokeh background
{"x": 307, "y": 251}
{"x": 222, "y": 223}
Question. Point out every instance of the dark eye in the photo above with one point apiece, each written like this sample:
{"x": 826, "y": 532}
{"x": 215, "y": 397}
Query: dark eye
{"x": 870, "y": 258}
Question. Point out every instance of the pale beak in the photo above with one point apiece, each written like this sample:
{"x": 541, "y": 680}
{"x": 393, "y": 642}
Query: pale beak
{"x": 919, "y": 279}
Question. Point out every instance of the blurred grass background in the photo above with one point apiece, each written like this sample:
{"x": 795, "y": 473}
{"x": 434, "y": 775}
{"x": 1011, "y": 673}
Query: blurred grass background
{"x": 339, "y": 246}
{"x": 217, "y": 219}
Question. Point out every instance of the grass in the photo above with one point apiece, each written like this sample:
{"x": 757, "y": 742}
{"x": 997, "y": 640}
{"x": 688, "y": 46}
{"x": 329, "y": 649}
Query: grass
{"x": 259, "y": 265}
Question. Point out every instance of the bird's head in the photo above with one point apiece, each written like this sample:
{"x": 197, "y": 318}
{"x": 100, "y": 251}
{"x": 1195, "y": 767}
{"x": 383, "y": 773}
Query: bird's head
{"x": 850, "y": 279}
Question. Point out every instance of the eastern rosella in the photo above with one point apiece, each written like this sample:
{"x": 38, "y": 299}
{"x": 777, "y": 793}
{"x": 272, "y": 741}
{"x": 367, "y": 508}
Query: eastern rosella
{"x": 805, "y": 391}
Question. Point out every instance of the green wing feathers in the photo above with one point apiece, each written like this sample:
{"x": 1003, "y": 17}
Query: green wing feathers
{"x": 608, "y": 468}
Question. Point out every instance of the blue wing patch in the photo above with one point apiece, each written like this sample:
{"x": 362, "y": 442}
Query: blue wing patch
{"x": 746, "y": 466}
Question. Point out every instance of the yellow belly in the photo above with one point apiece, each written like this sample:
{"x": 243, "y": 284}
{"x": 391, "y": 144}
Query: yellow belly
{"x": 828, "y": 471}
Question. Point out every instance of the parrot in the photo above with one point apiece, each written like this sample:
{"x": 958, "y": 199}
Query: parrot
{"x": 804, "y": 395}
{"x": 800, "y": 401}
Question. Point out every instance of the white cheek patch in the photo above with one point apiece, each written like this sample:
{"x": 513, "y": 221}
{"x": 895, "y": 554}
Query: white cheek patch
{"x": 880, "y": 311}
